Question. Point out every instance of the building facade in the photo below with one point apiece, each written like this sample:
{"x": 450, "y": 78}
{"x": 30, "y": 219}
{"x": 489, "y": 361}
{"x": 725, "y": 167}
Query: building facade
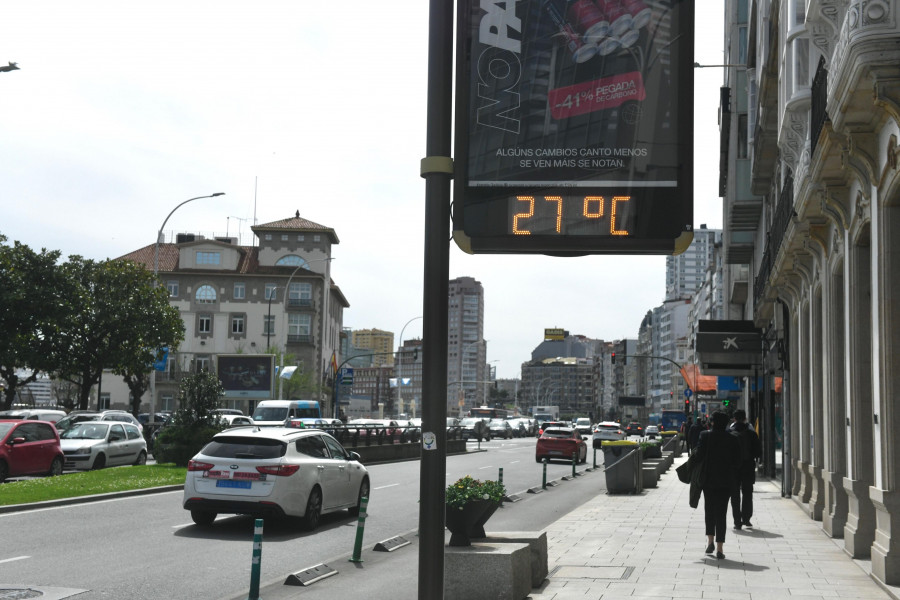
{"x": 375, "y": 341}
{"x": 276, "y": 297}
{"x": 466, "y": 346}
{"x": 809, "y": 175}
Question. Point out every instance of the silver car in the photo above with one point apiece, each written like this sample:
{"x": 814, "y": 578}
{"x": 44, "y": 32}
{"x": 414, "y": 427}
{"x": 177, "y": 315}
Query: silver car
{"x": 274, "y": 472}
{"x": 99, "y": 444}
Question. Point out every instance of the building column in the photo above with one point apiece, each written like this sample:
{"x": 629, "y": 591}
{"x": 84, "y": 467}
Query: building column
{"x": 834, "y": 516}
{"x": 859, "y": 532}
{"x": 817, "y": 349}
{"x": 804, "y": 438}
{"x": 886, "y": 349}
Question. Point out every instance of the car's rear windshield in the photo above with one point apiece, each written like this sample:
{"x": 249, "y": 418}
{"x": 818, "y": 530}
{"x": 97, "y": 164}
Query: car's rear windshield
{"x": 557, "y": 433}
{"x": 609, "y": 427}
{"x": 244, "y": 447}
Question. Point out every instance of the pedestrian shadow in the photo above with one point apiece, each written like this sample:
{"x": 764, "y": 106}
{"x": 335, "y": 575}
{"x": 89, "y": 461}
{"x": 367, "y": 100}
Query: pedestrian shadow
{"x": 757, "y": 533}
{"x": 734, "y": 565}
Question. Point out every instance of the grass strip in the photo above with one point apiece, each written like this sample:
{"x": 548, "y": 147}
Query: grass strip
{"x": 87, "y": 483}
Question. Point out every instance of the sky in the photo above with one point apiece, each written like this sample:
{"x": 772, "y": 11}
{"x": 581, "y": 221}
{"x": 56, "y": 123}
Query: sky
{"x": 121, "y": 111}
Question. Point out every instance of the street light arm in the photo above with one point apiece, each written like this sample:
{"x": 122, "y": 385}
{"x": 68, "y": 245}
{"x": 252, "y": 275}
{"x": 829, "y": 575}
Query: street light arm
{"x": 163, "y": 226}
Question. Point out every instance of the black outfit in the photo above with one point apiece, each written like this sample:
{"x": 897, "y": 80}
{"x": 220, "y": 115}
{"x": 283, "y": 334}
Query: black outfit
{"x": 742, "y": 498}
{"x": 694, "y": 435}
{"x": 722, "y": 455}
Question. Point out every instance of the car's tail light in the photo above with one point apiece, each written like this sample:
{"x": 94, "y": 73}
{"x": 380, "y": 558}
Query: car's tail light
{"x": 196, "y": 465}
{"x": 279, "y": 470}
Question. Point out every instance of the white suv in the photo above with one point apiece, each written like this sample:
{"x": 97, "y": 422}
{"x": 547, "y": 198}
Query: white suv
{"x": 274, "y": 472}
{"x": 607, "y": 430}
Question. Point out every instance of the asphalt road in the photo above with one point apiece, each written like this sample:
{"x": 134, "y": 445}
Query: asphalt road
{"x": 146, "y": 547}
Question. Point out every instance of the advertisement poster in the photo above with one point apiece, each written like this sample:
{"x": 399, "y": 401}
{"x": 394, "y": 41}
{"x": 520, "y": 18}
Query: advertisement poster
{"x": 574, "y": 125}
{"x": 246, "y": 375}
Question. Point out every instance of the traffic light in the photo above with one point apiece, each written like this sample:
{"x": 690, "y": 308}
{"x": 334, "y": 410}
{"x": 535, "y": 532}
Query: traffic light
{"x": 687, "y": 406}
{"x": 726, "y": 402}
{"x": 612, "y": 358}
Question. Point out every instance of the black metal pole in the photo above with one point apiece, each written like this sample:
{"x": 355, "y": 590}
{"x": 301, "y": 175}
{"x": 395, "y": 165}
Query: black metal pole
{"x": 437, "y": 171}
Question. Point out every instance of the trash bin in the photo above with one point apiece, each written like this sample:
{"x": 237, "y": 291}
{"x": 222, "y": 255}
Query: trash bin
{"x": 623, "y": 466}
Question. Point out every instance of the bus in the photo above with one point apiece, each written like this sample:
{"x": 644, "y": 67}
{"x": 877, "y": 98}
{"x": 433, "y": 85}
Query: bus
{"x": 484, "y": 412}
{"x": 671, "y": 420}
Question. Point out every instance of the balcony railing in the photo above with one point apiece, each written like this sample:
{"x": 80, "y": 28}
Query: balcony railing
{"x": 300, "y": 302}
{"x": 818, "y": 116}
{"x": 783, "y": 214}
{"x": 299, "y": 338}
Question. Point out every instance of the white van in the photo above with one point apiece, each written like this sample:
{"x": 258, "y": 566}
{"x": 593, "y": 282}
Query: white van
{"x": 277, "y": 413}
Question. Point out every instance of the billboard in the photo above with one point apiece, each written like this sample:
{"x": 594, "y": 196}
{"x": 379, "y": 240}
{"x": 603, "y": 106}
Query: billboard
{"x": 246, "y": 375}
{"x": 574, "y": 126}
{"x": 555, "y": 334}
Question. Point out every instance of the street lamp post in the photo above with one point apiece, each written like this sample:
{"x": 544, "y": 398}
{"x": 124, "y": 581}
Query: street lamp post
{"x": 400, "y": 368}
{"x": 159, "y": 235}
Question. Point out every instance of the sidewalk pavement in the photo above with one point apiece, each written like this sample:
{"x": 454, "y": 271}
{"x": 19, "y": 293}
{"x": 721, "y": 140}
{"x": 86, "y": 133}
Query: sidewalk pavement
{"x": 649, "y": 545}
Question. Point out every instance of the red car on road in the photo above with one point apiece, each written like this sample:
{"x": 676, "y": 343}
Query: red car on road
{"x": 560, "y": 443}
{"x": 29, "y": 448}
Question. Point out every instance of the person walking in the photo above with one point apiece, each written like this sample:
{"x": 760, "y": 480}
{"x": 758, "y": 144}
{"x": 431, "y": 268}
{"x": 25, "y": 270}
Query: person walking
{"x": 694, "y": 434}
{"x": 683, "y": 433}
{"x": 751, "y": 450}
{"x": 720, "y": 453}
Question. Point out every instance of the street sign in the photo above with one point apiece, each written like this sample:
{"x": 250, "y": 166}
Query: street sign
{"x": 574, "y": 127}
{"x": 688, "y": 393}
{"x": 346, "y": 376}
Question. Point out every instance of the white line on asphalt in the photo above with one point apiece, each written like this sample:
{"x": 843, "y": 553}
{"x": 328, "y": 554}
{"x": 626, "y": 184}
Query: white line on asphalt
{"x": 387, "y": 486}
{"x": 6, "y": 560}
{"x": 486, "y": 467}
{"x": 512, "y": 462}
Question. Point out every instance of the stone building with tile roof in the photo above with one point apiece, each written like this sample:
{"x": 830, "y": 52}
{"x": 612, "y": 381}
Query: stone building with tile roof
{"x": 274, "y": 297}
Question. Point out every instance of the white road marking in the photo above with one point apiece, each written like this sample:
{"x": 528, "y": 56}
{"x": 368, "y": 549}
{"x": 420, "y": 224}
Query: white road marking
{"x": 386, "y": 486}
{"x": 6, "y": 560}
{"x": 85, "y": 503}
{"x": 486, "y": 467}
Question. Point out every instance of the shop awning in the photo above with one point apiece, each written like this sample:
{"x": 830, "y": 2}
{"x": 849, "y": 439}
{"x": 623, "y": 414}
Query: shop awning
{"x": 729, "y": 347}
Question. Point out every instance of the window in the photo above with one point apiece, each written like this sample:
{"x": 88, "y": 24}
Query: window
{"x": 168, "y": 402}
{"x": 268, "y": 325}
{"x": 300, "y": 238}
{"x": 104, "y": 404}
{"x": 284, "y": 237}
{"x": 268, "y": 237}
{"x": 312, "y": 445}
{"x": 317, "y": 238}
{"x": 271, "y": 288}
{"x": 300, "y": 292}
{"x": 237, "y": 324}
{"x": 209, "y": 258}
{"x": 172, "y": 287}
{"x": 204, "y": 323}
{"x": 202, "y": 363}
{"x": 240, "y": 291}
{"x": 299, "y": 324}
{"x": 206, "y": 294}
{"x": 290, "y": 260}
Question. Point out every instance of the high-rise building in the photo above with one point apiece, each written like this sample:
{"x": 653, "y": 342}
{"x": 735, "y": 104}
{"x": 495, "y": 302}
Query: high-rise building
{"x": 686, "y": 272}
{"x": 466, "y": 346}
{"x": 376, "y": 341}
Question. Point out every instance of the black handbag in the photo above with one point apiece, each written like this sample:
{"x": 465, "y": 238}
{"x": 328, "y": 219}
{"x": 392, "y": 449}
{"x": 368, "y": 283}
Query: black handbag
{"x": 684, "y": 472}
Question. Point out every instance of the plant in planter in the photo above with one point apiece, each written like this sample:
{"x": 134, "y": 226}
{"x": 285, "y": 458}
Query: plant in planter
{"x": 652, "y": 449}
{"x": 469, "y": 504}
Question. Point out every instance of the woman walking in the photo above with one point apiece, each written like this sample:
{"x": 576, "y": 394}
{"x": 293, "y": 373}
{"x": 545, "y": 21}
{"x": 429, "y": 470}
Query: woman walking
{"x": 720, "y": 453}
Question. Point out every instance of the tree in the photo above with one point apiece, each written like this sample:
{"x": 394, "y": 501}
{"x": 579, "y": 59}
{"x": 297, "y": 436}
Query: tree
{"x": 31, "y": 307}
{"x": 116, "y": 318}
{"x": 195, "y": 422}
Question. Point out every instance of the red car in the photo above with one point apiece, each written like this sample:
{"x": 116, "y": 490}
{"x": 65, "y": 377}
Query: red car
{"x": 560, "y": 443}
{"x": 29, "y": 448}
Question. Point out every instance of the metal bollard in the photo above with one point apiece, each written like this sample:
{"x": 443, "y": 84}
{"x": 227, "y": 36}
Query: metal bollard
{"x": 574, "y": 462}
{"x": 500, "y": 477}
{"x": 544, "y": 484}
{"x": 595, "y": 458}
{"x": 360, "y": 527}
{"x": 256, "y": 561}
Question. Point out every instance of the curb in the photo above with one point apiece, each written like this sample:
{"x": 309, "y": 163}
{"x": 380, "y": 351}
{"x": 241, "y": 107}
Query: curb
{"x": 9, "y": 508}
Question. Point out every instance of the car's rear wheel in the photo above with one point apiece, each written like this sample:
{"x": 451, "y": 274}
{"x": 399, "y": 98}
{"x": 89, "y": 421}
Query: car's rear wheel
{"x": 141, "y": 459}
{"x": 313, "y": 510}
{"x": 4, "y": 471}
{"x": 363, "y": 493}
{"x": 99, "y": 462}
{"x": 56, "y": 467}
{"x": 203, "y": 518}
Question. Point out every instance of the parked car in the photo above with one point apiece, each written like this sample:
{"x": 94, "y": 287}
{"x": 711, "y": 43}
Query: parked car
{"x": 634, "y": 428}
{"x": 651, "y": 431}
{"x": 274, "y": 472}
{"x": 161, "y": 418}
{"x": 232, "y": 420}
{"x": 98, "y": 444}
{"x": 120, "y": 416}
{"x": 521, "y": 426}
{"x": 607, "y": 430}
{"x": 228, "y": 411}
{"x": 500, "y": 428}
{"x": 472, "y": 430}
{"x": 560, "y": 443}
{"x": 29, "y": 448}
{"x": 34, "y": 414}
